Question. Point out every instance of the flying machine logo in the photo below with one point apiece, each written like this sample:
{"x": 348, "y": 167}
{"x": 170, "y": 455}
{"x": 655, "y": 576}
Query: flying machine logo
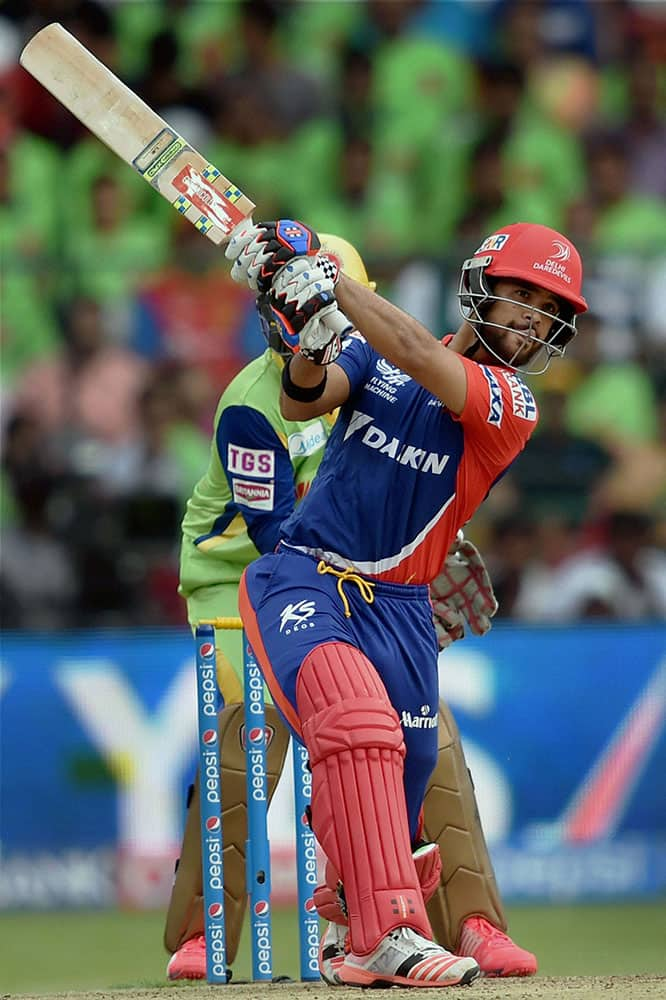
{"x": 387, "y": 381}
{"x": 391, "y": 374}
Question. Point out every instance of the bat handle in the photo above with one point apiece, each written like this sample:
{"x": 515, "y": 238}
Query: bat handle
{"x": 338, "y": 323}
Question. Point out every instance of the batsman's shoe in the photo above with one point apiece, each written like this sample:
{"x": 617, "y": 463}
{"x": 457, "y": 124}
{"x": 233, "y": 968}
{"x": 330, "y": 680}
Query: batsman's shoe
{"x": 494, "y": 950}
{"x": 332, "y": 952}
{"x": 189, "y": 962}
{"x": 405, "y": 958}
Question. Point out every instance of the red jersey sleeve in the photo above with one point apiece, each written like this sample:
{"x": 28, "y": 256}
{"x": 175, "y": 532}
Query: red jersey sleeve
{"x": 499, "y": 416}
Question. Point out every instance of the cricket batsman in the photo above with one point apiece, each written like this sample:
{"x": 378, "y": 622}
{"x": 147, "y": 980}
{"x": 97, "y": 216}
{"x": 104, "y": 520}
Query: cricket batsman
{"x": 424, "y": 431}
{"x": 260, "y": 466}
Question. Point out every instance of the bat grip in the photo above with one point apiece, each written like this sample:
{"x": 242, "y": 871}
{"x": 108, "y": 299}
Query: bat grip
{"x": 338, "y": 323}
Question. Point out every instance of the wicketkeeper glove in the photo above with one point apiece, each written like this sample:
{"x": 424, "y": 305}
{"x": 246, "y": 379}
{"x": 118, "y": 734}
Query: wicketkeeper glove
{"x": 302, "y": 296}
{"x": 462, "y": 594}
{"x": 259, "y": 249}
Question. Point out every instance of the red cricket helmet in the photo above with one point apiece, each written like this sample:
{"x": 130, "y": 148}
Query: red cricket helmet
{"x": 539, "y": 256}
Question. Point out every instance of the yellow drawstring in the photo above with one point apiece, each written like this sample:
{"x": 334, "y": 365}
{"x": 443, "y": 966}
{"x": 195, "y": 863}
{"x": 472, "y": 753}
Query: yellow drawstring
{"x": 348, "y": 575}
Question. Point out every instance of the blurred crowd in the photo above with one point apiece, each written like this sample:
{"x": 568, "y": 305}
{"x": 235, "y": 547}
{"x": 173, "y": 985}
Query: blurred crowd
{"x": 413, "y": 128}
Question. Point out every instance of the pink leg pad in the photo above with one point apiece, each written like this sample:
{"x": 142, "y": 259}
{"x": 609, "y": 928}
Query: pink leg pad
{"x": 359, "y": 814}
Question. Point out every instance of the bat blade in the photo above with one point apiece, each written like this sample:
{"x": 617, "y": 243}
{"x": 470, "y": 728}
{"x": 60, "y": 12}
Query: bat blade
{"x": 132, "y": 130}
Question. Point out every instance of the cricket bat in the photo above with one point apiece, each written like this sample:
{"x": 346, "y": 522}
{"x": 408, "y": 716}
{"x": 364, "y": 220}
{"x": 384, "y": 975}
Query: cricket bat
{"x": 138, "y": 135}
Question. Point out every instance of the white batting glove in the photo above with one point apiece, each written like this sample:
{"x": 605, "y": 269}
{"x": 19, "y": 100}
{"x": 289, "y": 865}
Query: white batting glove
{"x": 247, "y": 251}
{"x": 303, "y": 294}
{"x": 258, "y": 250}
{"x": 462, "y": 594}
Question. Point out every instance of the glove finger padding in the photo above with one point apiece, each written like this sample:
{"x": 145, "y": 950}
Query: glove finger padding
{"x": 259, "y": 250}
{"x": 449, "y": 624}
{"x": 302, "y": 297}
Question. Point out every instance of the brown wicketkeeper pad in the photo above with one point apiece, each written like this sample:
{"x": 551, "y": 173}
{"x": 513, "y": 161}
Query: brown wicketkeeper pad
{"x": 451, "y": 815}
{"x": 185, "y": 914}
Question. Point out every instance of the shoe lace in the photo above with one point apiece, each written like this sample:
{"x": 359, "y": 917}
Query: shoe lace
{"x": 483, "y": 927}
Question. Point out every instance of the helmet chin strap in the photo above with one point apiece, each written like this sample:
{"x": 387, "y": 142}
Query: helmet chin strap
{"x": 473, "y": 349}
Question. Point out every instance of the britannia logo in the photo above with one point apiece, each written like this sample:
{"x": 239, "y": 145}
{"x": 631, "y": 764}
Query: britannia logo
{"x": 207, "y": 650}
{"x": 209, "y": 737}
{"x": 213, "y": 824}
{"x": 261, "y": 908}
{"x": 215, "y": 910}
{"x": 561, "y": 251}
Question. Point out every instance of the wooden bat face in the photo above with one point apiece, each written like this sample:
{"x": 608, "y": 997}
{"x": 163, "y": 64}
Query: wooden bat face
{"x": 125, "y": 123}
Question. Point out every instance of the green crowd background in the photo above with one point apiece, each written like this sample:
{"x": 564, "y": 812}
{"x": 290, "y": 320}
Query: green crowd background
{"x": 411, "y": 128}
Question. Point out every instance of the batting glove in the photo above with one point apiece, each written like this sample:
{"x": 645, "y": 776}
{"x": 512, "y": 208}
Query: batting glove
{"x": 259, "y": 249}
{"x": 462, "y": 594}
{"x": 302, "y": 297}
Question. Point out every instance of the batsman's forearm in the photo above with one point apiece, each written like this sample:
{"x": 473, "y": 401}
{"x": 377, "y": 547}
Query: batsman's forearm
{"x": 395, "y": 334}
{"x": 306, "y": 375}
{"x": 404, "y": 342}
{"x": 304, "y": 372}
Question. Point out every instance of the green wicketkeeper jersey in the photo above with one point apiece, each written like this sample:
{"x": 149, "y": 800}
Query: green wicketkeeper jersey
{"x": 260, "y": 466}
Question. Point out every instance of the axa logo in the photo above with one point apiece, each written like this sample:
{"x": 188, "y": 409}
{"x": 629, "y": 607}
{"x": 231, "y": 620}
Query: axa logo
{"x": 495, "y": 401}
{"x": 393, "y": 448}
{"x": 295, "y": 617}
{"x": 391, "y": 374}
{"x": 560, "y": 251}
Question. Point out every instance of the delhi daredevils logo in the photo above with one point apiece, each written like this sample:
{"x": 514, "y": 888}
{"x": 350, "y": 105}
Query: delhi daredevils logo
{"x": 207, "y": 650}
{"x": 261, "y": 908}
{"x": 213, "y": 824}
{"x": 209, "y": 737}
{"x": 215, "y": 910}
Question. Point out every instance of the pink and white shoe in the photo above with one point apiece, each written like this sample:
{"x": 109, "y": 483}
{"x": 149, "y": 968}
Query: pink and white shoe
{"x": 189, "y": 962}
{"x": 494, "y": 950}
{"x": 332, "y": 952}
{"x": 405, "y": 958}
